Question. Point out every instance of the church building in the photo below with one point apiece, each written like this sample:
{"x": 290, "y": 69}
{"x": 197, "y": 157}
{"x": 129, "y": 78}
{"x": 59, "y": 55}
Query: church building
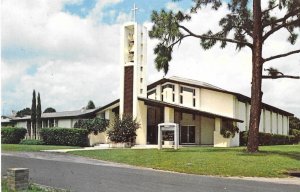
{"x": 200, "y": 109}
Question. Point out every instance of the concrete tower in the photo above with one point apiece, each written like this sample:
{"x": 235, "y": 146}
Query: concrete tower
{"x": 133, "y": 67}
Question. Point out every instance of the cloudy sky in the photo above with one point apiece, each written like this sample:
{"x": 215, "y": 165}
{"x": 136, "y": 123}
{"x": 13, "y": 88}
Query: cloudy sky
{"x": 68, "y": 50}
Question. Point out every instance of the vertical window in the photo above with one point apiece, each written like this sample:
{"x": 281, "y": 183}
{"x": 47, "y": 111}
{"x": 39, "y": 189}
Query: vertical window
{"x": 141, "y": 80}
{"x": 194, "y": 102}
{"x": 162, "y": 97}
{"x": 173, "y": 97}
{"x": 141, "y": 69}
{"x": 141, "y": 91}
{"x": 181, "y": 99}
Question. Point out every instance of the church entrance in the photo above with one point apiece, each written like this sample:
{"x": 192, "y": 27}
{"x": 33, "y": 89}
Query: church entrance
{"x": 187, "y": 135}
{"x": 155, "y": 116}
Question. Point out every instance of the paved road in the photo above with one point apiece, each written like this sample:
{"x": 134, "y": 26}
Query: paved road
{"x": 86, "y": 175}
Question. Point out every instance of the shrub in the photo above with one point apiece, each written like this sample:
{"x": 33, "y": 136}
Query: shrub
{"x": 295, "y": 133}
{"x": 12, "y": 135}
{"x": 65, "y": 136}
{"x": 32, "y": 142}
{"x": 96, "y": 125}
{"x": 268, "y": 139}
{"x": 123, "y": 130}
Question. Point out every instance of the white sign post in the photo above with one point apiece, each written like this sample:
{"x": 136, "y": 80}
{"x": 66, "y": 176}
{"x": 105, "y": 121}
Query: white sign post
{"x": 168, "y": 127}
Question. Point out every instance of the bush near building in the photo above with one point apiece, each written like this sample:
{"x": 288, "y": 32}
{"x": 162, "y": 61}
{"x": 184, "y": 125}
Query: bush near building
{"x": 269, "y": 139}
{"x": 12, "y": 135}
{"x": 123, "y": 130}
{"x": 65, "y": 136}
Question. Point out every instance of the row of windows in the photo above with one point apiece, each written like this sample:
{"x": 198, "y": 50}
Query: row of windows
{"x": 182, "y": 89}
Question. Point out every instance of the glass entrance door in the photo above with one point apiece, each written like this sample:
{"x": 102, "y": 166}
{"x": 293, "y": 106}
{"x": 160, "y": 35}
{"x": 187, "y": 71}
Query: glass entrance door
{"x": 187, "y": 134}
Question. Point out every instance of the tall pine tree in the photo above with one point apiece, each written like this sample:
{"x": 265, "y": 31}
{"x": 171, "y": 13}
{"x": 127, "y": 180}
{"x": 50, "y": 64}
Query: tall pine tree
{"x": 38, "y": 115}
{"x": 244, "y": 26}
{"x": 33, "y": 116}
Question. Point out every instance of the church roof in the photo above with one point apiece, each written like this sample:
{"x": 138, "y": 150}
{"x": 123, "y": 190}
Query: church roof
{"x": 200, "y": 84}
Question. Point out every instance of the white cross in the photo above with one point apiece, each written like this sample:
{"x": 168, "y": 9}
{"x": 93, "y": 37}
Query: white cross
{"x": 134, "y": 9}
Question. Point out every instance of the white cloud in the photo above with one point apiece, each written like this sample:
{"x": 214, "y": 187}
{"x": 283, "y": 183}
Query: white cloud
{"x": 172, "y": 6}
{"x": 77, "y": 58}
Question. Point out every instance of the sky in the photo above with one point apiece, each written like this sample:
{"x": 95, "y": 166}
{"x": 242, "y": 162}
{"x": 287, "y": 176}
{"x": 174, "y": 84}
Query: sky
{"x": 68, "y": 51}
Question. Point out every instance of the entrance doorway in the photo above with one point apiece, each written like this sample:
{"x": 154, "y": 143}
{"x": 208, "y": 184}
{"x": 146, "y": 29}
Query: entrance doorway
{"x": 155, "y": 115}
{"x": 187, "y": 135}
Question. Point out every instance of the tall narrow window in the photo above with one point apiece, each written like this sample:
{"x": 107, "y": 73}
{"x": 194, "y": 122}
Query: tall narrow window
{"x": 181, "y": 99}
{"x": 194, "y": 102}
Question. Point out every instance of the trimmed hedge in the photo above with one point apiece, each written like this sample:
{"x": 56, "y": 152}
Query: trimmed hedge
{"x": 31, "y": 142}
{"x": 12, "y": 135}
{"x": 269, "y": 139}
{"x": 65, "y": 136}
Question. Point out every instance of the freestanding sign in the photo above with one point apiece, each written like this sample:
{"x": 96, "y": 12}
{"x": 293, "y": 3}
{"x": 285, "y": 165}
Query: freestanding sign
{"x": 168, "y": 127}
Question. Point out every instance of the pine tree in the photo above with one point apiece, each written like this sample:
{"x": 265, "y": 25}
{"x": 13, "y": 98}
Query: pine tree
{"x": 33, "y": 116}
{"x": 244, "y": 27}
{"x": 90, "y": 105}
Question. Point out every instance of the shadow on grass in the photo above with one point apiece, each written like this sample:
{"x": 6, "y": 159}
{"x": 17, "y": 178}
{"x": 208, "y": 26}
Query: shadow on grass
{"x": 201, "y": 150}
{"x": 290, "y": 154}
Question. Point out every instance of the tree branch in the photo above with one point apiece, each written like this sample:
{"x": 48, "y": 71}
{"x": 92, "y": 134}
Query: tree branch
{"x": 180, "y": 39}
{"x": 215, "y": 38}
{"x": 281, "y": 55}
{"x": 267, "y": 10}
{"x": 283, "y": 19}
{"x": 279, "y": 27}
{"x": 280, "y": 76}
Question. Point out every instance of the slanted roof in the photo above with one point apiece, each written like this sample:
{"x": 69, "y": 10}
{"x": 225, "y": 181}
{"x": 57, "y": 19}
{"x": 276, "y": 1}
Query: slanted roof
{"x": 69, "y": 114}
{"x": 186, "y": 109}
{"x": 200, "y": 84}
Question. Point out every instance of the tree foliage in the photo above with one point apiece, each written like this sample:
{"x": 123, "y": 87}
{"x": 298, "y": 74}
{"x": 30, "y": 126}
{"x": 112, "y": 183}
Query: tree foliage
{"x": 49, "y": 110}
{"x": 244, "y": 26}
{"x": 39, "y": 112}
{"x": 90, "y": 105}
{"x": 96, "y": 125}
{"x": 294, "y": 123}
{"x": 24, "y": 112}
{"x": 123, "y": 130}
{"x": 33, "y": 113}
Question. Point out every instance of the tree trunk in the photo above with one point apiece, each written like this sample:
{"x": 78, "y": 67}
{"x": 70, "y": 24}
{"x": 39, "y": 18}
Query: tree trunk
{"x": 256, "y": 94}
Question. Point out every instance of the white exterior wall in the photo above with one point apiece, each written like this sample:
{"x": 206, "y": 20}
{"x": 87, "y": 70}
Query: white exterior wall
{"x": 285, "y": 125}
{"x": 242, "y": 116}
{"x": 279, "y": 122}
{"x": 22, "y": 124}
{"x": 217, "y": 102}
{"x": 65, "y": 123}
{"x": 274, "y": 123}
{"x": 141, "y": 138}
{"x": 187, "y": 99}
{"x": 168, "y": 95}
{"x": 207, "y": 131}
{"x": 261, "y": 122}
{"x": 267, "y": 121}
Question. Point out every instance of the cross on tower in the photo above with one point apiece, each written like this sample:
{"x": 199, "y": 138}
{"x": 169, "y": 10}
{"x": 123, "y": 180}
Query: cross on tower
{"x": 134, "y": 9}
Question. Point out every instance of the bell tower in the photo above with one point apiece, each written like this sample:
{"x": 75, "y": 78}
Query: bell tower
{"x": 133, "y": 67}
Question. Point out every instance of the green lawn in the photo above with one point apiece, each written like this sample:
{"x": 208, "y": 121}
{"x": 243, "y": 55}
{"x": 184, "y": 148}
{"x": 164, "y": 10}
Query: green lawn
{"x": 271, "y": 161}
{"x": 32, "y": 148}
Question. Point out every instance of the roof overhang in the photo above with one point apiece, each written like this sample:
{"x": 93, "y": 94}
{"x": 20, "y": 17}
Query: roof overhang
{"x": 153, "y": 102}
